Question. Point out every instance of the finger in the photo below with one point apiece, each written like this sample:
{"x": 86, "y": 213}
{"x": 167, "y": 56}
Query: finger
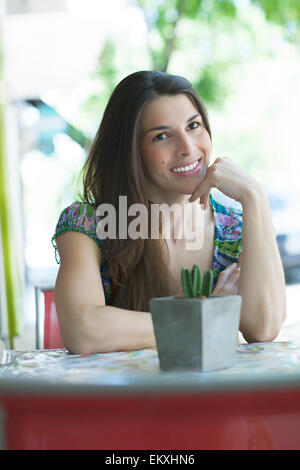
{"x": 226, "y": 290}
{"x": 229, "y": 288}
{"x": 228, "y": 281}
{"x": 224, "y": 275}
{"x": 234, "y": 290}
{"x": 205, "y": 200}
{"x": 203, "y": 188}
{"x": 238, "y": 272}
{"x": 233, "y": 278}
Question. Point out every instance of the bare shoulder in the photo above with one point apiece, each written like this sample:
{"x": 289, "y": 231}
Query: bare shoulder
{"x": 79, "y": 278}
{"x": 74, "y": 247}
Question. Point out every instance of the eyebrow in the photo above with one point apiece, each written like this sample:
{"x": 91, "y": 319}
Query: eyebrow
{"x": 162, "y": 128}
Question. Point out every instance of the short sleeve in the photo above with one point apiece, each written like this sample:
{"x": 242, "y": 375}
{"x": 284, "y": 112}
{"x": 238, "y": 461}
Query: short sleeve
{"x": 78, "y": 217}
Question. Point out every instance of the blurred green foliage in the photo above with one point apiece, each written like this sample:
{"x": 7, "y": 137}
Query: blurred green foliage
{"x": 283, "y": 12}
{"x": 165, "y": 20}
{"x": 214, "y": 44}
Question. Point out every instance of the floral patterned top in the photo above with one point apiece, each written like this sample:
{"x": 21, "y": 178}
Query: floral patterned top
{"x": 81, "y": 217}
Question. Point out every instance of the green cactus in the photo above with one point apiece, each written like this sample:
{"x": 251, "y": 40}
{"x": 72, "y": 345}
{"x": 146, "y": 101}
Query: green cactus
{"x": 207, "y": 283}
{"x": 193, "y": 285}
{"x": 197, "y": 281}
{"x": 186, "y": 279}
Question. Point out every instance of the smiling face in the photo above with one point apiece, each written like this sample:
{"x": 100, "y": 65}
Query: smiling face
{"x": 173, "y": 136}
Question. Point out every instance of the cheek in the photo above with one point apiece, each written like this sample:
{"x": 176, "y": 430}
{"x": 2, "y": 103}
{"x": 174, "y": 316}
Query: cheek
{"x": 208, "y": 152}
{"x": 154, "y": 161}
{"x": 205, "y": 145}
{"x": 208, "y": 145}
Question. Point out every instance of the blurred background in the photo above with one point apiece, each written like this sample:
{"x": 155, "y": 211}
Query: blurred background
{"x": 60, "y": 61}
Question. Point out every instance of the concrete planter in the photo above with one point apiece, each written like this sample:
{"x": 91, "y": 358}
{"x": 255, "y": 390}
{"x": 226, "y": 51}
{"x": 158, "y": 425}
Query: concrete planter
{"x": 198, "y": 334}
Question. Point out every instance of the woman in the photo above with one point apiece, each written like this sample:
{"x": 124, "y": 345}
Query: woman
{"x": 153, "y": 128}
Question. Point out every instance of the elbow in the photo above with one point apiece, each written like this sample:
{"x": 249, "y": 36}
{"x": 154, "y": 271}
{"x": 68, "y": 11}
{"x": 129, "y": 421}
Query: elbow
{"x": 263, "y": 313}
{"x": 267, "y": 327}
{"x": 73, "y": 341}
{"x": 79, "y": 348}
{"x": 80, "y": 335}
{"x": 261, "y": 335}
{"x": 81, "y": 343}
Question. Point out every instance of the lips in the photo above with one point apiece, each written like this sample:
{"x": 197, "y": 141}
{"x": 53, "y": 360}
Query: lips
{"x": 188, "y": 173}
{"x": 186, "y": 164}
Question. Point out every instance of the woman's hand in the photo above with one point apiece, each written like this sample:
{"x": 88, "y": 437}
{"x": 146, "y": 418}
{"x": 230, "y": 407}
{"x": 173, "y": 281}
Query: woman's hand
{"x": 229, "y": 178}
{"x": 228, "y": 281}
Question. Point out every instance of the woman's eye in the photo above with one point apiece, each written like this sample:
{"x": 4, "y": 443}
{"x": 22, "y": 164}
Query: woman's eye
{"x": 194, "y": 125}
{"x": 161, "y": 136}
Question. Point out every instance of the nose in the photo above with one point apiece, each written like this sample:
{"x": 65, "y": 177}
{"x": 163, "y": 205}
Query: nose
{"x": 184, "y": 145}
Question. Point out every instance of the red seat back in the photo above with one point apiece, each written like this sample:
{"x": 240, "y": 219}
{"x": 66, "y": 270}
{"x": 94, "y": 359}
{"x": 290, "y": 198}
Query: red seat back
{"x": 52, "y": 337}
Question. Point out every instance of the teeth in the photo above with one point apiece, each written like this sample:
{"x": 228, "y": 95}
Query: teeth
{"x": 185, "y": 168}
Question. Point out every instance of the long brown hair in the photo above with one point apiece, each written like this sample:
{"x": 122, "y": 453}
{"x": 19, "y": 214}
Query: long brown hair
{"x": 114, "y": 167}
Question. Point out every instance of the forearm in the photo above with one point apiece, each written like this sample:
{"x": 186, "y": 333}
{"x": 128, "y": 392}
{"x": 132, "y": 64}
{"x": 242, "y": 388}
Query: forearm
{"x": 262, "y": 282}
{"x": 108, "y": 329}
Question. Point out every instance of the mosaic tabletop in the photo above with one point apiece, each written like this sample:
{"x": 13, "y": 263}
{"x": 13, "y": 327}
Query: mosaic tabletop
{"x": 257, "y": 363}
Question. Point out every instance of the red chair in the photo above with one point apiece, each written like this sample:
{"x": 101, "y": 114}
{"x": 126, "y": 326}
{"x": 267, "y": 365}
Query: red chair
{"x": 51, "y": 338}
